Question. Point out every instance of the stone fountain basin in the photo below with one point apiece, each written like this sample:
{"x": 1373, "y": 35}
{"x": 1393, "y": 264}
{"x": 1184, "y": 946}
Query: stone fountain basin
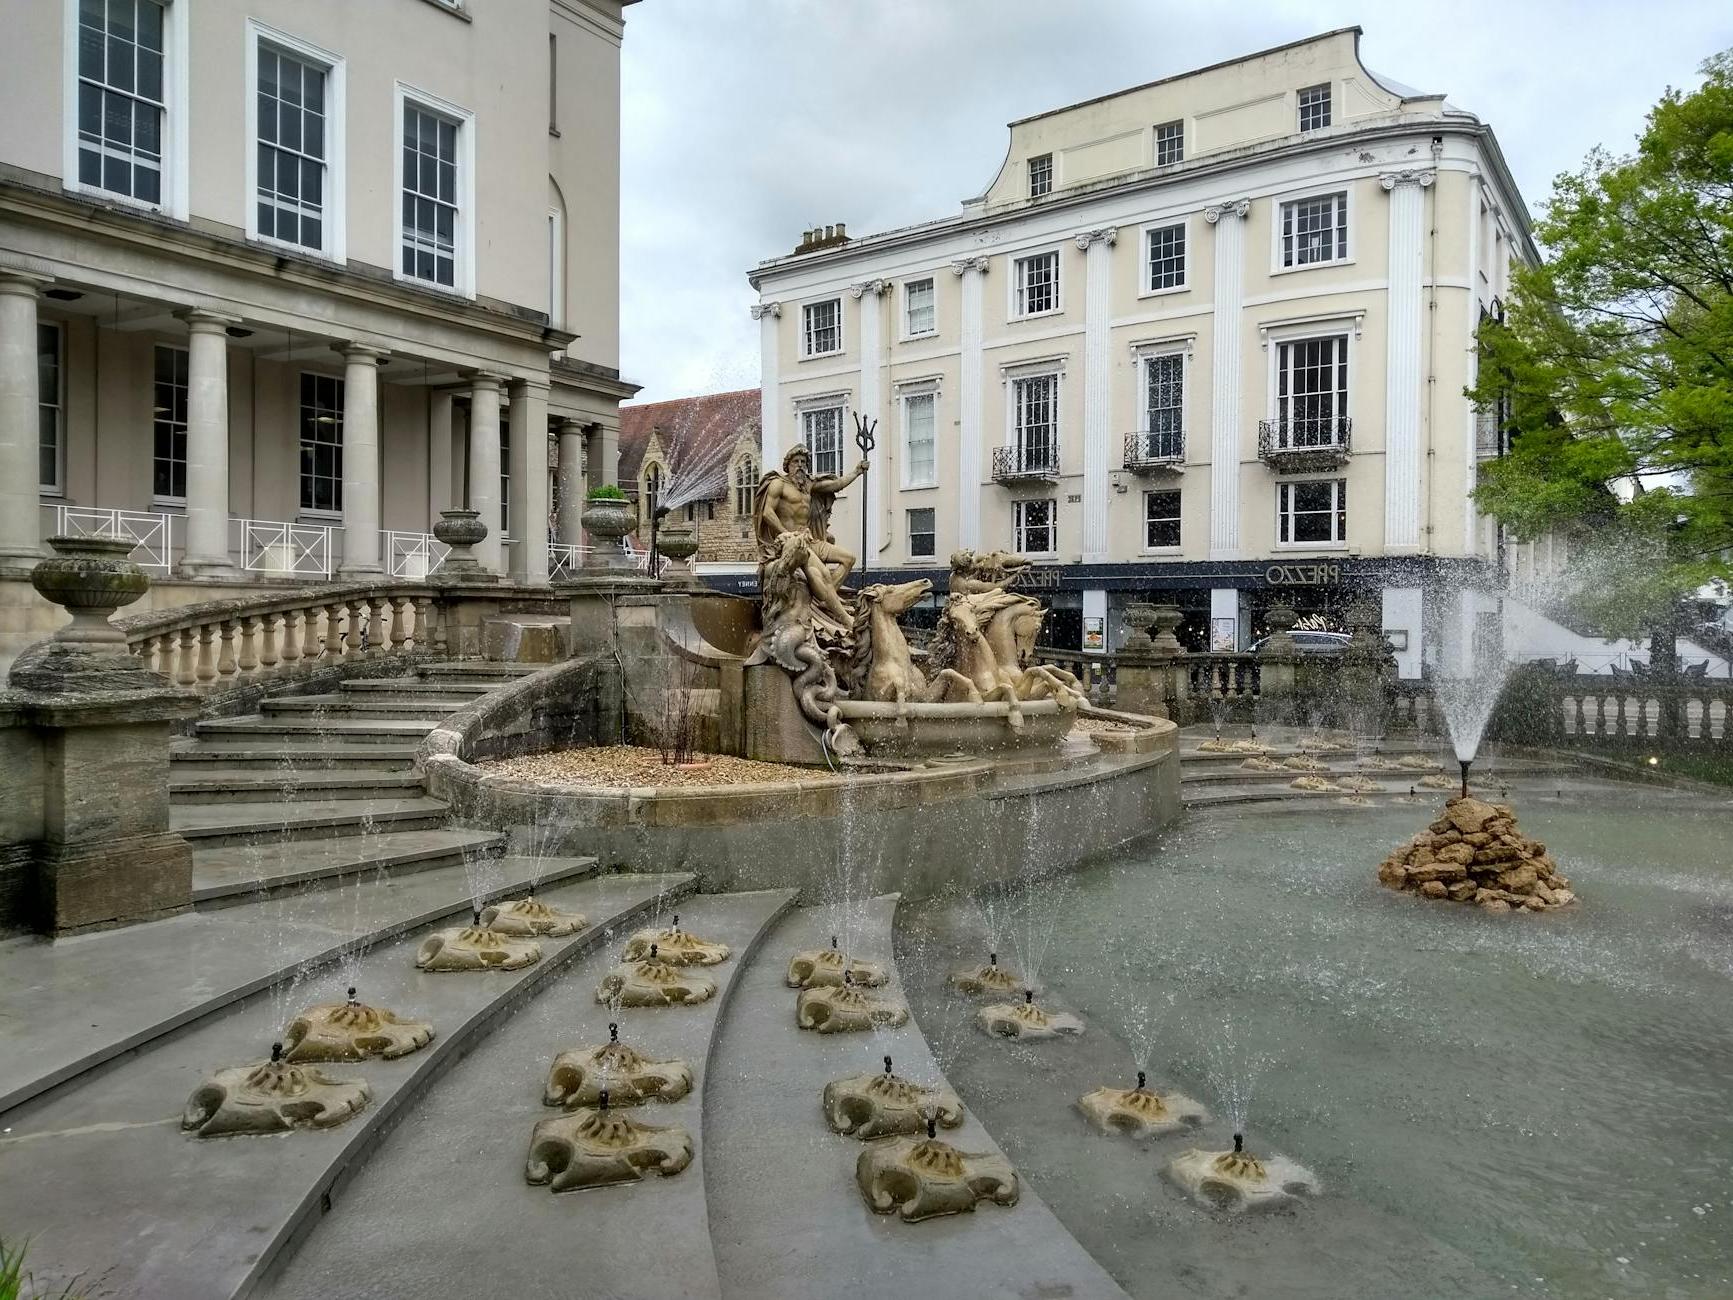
{"x": 931, "y": 730}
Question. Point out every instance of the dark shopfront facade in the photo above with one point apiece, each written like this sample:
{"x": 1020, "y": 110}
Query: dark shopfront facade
{"x": 1219, "y": 599}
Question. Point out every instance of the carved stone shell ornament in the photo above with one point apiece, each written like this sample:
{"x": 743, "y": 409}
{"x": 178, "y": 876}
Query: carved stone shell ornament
{"x": 867, "y": 1106}
{"x": 1237, "y": 1180}
{"x": 352, "y": 1031}
{"x": 818, "y": 967}
{"x": 989, "y": 980}
{"x": 596, "y": 1148}
{"x": 654, "y": 983}
{"x": 676, "y": 947}
{"x": 578, "y": 1077}
{"x": 271, "y": 1097}
{"x": 1026, "y": 1020}
{"x": 843, "y": 1009}
{"x": 474, "y": 947}
{"x": 1140, "y": 1112}
{"x": 531, "y": 916}
{"x": 923, "y": 1177}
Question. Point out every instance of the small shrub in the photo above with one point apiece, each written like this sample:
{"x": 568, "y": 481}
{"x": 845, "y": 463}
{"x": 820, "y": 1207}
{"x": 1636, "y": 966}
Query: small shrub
{"x": 606, "y": 492}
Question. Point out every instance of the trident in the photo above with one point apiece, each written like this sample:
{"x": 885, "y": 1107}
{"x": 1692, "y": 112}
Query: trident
{"x": 863, "y": 438}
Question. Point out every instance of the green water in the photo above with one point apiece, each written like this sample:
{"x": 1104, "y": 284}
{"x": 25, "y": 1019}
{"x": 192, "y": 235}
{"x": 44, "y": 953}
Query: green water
{"x": 1495, "y": 1105}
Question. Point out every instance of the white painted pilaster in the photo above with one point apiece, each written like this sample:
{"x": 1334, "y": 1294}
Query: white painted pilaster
{"x": 1402, "y": 366}
{"x": 769, "y": 433}
{"x": 20, "y": 427}
{"x": 871, "y": 295}
{"x": 973, "y": 272}
{"x": 484, "y": 467}
{"x": 1097, "y": 248}
{"x": 529, "y": 480}
{"x": 1224, "y": 506}
{"x": 207, "y": 538}
{"x": 360, "y": 463}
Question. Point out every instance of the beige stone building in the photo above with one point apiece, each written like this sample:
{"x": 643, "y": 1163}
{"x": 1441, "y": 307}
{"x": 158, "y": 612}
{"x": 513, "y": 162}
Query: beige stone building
{"x": 699, "y": 455}
{"x": 281, "y": 280}
{"x": 1203, "y": 341}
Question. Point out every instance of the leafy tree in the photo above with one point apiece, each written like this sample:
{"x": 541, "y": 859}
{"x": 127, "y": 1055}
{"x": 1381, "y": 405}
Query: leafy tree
{"x": 1613, "y": 367}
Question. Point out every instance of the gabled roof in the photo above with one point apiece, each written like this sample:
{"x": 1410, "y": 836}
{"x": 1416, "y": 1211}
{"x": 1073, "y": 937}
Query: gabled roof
{"x": 697, "y": 434}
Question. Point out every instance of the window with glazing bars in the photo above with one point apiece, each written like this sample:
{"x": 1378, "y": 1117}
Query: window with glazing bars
{"x": 923, "y": 541}
{"x": 823, "y": 327}
{"x": 120, "y": 97}
{"x": 745, "y": 486}
{"x": 1037, "y": 283}
{"x": 169, "y": 424}
{"x": 1160, "y": 519}
{"x": 1035, "y": 407}
{"x": 1315, "y": 229}
{"x": 291, "y": 162}
{"x": 1169, "y": 143}
{"x": 1164, "y": 406}
{"x": 1040, "y": 175}
{"x": 321, "y": 442}
{"x": 1035, "y": 533}
{"x": 821, "y": 430}
{"x": 918, "y": 411}
{"x": 1313, "y": 511}
{"x": 1167, "y": 257}
{"x": 1315, "y": 107}
{"x": 48, "y": 421}
{"x": 918, "y": 299}
{"x": 504, "y": 475}
{"x": 430, "y": 206}
{"x": 1311, "y": 391}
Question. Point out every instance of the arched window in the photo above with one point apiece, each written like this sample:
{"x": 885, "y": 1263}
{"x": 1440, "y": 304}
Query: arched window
{"x": 745, "y": 484}
{"x": 652, "y": 488}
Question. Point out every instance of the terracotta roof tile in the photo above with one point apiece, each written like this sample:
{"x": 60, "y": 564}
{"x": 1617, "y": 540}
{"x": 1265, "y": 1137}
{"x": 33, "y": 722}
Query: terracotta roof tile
{"x": 697, "y": 433}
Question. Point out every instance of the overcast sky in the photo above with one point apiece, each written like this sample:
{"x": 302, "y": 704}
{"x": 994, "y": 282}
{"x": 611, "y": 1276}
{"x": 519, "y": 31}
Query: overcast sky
{"x": 746, "y": 121}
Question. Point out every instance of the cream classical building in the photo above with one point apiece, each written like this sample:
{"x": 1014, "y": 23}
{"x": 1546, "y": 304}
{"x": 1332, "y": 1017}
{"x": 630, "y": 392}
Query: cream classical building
{"x": 1202, "y": 341}
{"x": 282, "y": 279}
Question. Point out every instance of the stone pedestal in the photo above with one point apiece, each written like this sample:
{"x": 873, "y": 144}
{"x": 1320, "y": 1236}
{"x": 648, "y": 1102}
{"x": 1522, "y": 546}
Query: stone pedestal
{"x": 1150, "y": 668}
{"x": 773, "y": 728}
{"x": 1278, "y": 670}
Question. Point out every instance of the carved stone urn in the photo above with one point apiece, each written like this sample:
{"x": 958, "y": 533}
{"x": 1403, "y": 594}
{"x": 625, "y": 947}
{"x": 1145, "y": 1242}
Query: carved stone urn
{"x": 462, "y": 530}
{"x": 677, "y": 543}
{"x": 607, "y": 520}
{"x": 1139, "y": 617}
{"x": 90, "y": 578}
{"x": 1281, "y": 620}
{"x": 1167, "y": 620}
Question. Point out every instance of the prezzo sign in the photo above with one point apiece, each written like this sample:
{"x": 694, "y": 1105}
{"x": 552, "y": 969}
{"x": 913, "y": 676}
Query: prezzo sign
{"x": 1303, "y": 575}
{"x": 1035, "y": 579}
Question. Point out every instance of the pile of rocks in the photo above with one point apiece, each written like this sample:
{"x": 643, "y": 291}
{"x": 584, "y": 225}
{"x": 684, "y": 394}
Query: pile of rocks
{"x": 1475, "y": 853}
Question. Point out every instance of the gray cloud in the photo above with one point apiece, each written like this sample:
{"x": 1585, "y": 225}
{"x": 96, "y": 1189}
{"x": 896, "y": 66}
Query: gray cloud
{"x": 746, "y": 121}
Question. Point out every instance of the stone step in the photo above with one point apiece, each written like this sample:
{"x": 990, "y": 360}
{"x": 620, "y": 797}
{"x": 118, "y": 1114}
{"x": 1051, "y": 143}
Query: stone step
{"x": 160, "y": 976}
{"x": 113, "y": 1140}
{"x": 417, "y": 687}
{"x": 780, "y": 1181}
{"x": 471, "y": 669}
{"x": 258, "y": 754}
{"x": 1396, "y": 781}
{"x": 346, "y": 706}
{"x": 230, "y": 785}
{"x": 263, "y": 821}
{"x": 491, "y": 1103}
{"x": 338, "y": 729}
{"x": 228, "y": 874}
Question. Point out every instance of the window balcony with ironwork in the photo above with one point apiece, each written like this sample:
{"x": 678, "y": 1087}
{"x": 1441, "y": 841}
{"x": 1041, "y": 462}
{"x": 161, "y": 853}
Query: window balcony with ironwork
{"x": 1155, "y": 451}
{"x": 1305, "y": 444}
{"x": 1030, "y": 463}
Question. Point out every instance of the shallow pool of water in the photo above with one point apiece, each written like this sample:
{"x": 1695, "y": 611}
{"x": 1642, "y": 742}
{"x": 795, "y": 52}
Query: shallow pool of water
{"x": 1495, "y": 1105}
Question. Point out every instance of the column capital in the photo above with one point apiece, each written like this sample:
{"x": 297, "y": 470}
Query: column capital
{"x": 763, "y": 309}
{"x": 963, "y": 265}
{"x": 484, "y": 380}
{"x": 573, "y": 427}
{"x": 359, "y": 353}
{"x": 1107, "y": 235}
{"x": 21, "y": 283}
{"x": 518, "y": 385}
{"x": 874, "y": 287}
{"x": 1227, "y": 208}
{"x": 1421, "y": 176}
{"x": 200, "y": 321}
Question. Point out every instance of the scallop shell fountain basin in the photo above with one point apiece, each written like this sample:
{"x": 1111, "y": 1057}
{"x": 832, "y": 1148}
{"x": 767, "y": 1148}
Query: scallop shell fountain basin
{"x": 1237, "y": 1180}
{"x": 599, "y": 1147}
{"x": 653, "y": 982}
{"x": 1141, "y": 1112}
{"x": 676, "y": 947}
{"x": 271, "y": 1097}
{"x": 868, "y": 1106}
{"x": 844, "y": 1009}
{"x": 531, "y": 916}
{"x": 475, "y": 947}
{"x": 581, "y": 1075}
{"x": 818, "y": 967}
{"x": 352, "y": 1031}
{"x": 991, "y": 980}
{"x": 1027, "y": 1019}
{"x": 922, "y": 1178}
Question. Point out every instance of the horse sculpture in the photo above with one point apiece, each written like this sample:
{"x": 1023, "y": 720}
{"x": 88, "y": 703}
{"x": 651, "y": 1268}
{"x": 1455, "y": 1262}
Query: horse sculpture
{"x": 989, "y": 638}
{"x": 881, "y": 668}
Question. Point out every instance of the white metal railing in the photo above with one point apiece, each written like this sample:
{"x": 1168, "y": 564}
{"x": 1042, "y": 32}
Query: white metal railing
{"x": 292, "y": 550}
{"x": 564, "y": 560}
{"x": 413, "y": 555}
{"x": 153, "y": 533}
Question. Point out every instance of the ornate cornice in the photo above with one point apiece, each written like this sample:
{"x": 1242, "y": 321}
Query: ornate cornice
{"x": 1422, "y": 177}
{"x": 763, "y": 309}
{"x": 874, "y": 287}
{"x": 1108, "y": 235}
{"x": 965, "y": 264}
{"x": 1226, "y": 208}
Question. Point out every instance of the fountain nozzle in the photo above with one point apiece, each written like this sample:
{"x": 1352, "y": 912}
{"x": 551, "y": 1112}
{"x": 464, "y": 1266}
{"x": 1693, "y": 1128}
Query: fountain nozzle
{"x": 351, "y": 995}
{"x": 1028, "y": 997}
{"x": 654, "y": 949}
{"x": 676, "y": 926}
{"x": 1465, "y": 762}
{"x": 475, "y": 917}
{"x": 887, "y": 1065}
{"x": 992, "y": 959}
{"x": 602, "y": 1097}
{"x": 1140, "y": 1079}
{"x": 613, "y": 1031}
{"x": 932, "y": 1127}
{"x": 276, "y": 1052}
{"x": 833, "y": 942}
{"x": 1239, "y": 1143}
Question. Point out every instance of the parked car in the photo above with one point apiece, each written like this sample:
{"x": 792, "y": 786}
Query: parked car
{"x": 1329, "y": 644}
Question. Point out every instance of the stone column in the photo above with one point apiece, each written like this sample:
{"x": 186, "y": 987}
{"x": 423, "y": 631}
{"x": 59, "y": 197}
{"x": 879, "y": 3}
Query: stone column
{"x": 569, "y": 525}
{"x": 207, "y": 544}
{"x": 871, "y": 295}
{"x": 1097, "y": 246}
{"x": 529, "y": 477}
{"x": 484, "y": 466}
{"x": 20, "y": 430}
{"x": 1224, "y": 479}
{"x": 439, "y": 494}
{"x": 1403, "y": 383}
{"x": 973, "y": 273}
{"x": 604, "y": 455}
{"x": 360, "y": 462}
{"x": 769, "y": 400}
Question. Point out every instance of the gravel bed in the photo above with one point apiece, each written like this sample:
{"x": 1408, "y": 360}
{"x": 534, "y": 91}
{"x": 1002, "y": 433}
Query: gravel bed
{"x": 633, "y": 765}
